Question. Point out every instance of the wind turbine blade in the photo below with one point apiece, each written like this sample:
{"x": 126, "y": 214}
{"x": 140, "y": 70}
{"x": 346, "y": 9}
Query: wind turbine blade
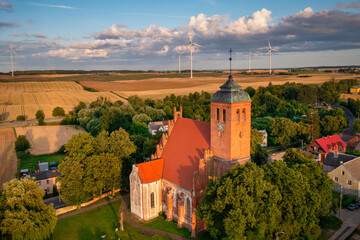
{"x": 5, "y": 52}
{"x": 198, "y": 45}
{"x": 189, "y": 35}
{"x": 275, "y": 50}
{"x": 269, "y": 44}
{"x": 14, "y": 52}
{"x": 268, "y": 52}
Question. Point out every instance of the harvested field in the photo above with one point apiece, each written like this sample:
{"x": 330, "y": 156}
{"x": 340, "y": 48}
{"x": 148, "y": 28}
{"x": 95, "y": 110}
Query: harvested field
{"x": 8, "y": 159}
{"x": 345, "y": 96}
{"x": 160, "y": 87}
{"x": 25, "y": 98}
{"x": 47, "y": 139}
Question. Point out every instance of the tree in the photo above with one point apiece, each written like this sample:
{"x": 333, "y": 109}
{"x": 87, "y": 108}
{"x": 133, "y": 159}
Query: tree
{"x": 256, "y": 139}
{"x": 313, "y": 121}
{"x": 142, "y": 117}
{"x": 58, "y": 112}
{"x": 21, "y": 143}
{"x": 260, "y": 156}
{"x": 136, "y": 102}
{"x": 356, "y": 127}
{"x": 25, "y": 216}
{"x": 250, "y": 91}
{"x": 21, "y": 118}
{"x": 283, "y": 129}
{"x": 40, "y": 116}
{"x": 241, "y": 205}
{"x": 139, "y": 128}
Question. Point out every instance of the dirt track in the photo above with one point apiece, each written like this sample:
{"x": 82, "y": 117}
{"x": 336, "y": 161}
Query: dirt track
{"x": 8, "y": 159}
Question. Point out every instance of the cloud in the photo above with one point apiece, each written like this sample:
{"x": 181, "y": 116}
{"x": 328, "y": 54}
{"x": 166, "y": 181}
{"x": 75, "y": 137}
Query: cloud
{"x": 8, "y": 24}
{"x": 58, "y": 38}
{"x": 5, "y": 6}
{"x": 38, "y": 35}
{"x": 348, "y": 5}
{"x": 53, "y": 6}
{"x": 16, "y": 35}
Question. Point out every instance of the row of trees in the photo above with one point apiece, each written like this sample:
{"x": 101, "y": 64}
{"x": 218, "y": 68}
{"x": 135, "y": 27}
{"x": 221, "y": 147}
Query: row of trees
{"x": 261, "y": 202}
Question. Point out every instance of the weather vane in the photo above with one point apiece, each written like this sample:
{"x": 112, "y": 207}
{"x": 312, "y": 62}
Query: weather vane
{"x": 230, "y": 59}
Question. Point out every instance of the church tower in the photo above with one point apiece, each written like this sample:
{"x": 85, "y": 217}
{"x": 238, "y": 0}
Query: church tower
{"x": 230, "y": 126}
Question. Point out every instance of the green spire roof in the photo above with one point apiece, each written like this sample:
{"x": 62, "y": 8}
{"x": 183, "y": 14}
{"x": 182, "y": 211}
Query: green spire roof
{"x": 230, "y": 92}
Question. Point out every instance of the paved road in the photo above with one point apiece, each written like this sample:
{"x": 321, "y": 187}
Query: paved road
{"x": 29, "y": 122}
{"x": 347, "y": 133}
{"x": 351, "y": 219}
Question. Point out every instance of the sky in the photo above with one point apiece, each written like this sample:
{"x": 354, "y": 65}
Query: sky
{"x": 145, "y": 35}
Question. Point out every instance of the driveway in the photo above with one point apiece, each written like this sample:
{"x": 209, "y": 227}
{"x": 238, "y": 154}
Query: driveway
{"x": 351, "y": 219}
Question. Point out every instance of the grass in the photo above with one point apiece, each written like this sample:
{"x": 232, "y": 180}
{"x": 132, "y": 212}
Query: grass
{"x": 90, "y": 224}
{"x": 170, "y": 227}
{"x": 28, "y": 161}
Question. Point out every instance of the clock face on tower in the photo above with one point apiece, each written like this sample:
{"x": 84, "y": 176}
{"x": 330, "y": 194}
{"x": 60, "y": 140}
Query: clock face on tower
{"x": 220, "y": 127}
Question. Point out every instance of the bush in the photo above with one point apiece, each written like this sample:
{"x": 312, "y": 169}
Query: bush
{"x": 162, "y": 214}
{"x": 40, "y": 117}
{"x": 61, "y": 149}
{"x": 20, "y": 118}
{"x": 21, "y": 143}
{"x": 55, "y": 191}
{"x": 330, "y": 222}
{"x": 58, "y": 112}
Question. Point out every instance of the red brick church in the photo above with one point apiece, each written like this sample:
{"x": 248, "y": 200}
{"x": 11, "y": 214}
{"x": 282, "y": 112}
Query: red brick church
{"x": 191, "y": 153}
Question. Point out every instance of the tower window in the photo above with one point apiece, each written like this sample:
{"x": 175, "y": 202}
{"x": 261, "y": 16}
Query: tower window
{"x": 187, "y": 207}
{"x": 243, "y": 115}
{"x": 224, "y": 115}
{"x": 238, "y": 115}
{"x": 152, "y": 200}
{"x": 217, "y": 114}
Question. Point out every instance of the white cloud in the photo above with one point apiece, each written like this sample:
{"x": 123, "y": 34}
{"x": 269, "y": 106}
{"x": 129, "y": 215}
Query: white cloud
{"x": 51, "y": 5}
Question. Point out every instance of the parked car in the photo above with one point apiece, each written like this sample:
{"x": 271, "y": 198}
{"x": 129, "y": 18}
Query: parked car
{"x": 353, "y": 206}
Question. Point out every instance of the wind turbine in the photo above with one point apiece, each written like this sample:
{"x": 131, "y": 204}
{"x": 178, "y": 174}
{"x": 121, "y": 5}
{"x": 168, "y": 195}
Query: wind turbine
{"x": 11, "y": 51}
{"x": 250, "y": 61}
{"x": 191, "y": 44}
{"x": 179, "y": 53}
{"x": 269, "y": 53}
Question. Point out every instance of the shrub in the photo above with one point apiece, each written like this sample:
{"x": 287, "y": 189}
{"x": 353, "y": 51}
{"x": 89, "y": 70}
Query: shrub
{"x": 20, "y": 118}
{"x": 55, "y": 191}
{"x": 58, "y": 112}
{"x": 330, "y": 222}
{"x": 40, "y": 117}
{"x": 61, "y": 149}
{"x": 21, "y": 143}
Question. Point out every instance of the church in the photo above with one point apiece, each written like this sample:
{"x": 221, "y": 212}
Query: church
{"x": 188, "y": 155}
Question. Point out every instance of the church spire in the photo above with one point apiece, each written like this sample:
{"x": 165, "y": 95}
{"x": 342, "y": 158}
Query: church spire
{"x": 230, "y": 59}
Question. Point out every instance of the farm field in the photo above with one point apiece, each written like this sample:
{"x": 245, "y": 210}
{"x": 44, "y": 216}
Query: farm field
{"x": 47, "y": 139}
{"x": 25, "y": 98}
{"x": 161, "y": 87}
{"x": 8, "y": 159}
{"x": 345, "y": 96}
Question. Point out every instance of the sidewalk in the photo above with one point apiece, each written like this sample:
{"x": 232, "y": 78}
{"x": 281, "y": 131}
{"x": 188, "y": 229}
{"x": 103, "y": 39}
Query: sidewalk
{"x": 351, "y": 219}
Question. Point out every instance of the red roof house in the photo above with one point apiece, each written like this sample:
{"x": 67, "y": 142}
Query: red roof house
{"x": 320, "y": 147}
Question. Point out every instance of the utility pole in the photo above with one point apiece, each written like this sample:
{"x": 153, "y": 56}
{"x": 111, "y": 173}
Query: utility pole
{"x": 340, "y": 201}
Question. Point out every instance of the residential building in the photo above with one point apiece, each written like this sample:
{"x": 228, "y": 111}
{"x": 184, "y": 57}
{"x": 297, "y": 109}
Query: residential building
{"x": 154, "y": 127}
{"x": 320, "y": 147}
{"x": 347, "y": 177}
{"x": 333, "y": 160}
{"x": 265, "y": 138}
{"x": 354, "y": 142}
{"x": 46, "y": 180}
{"x": 191, "y": 153}
{"x": 355, "y": 89}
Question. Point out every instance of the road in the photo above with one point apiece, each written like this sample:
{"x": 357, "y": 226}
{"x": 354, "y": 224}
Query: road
{"x": 347, "y": 133}
{"x": 29, "y": 122}
{"x": 351, "y": 219}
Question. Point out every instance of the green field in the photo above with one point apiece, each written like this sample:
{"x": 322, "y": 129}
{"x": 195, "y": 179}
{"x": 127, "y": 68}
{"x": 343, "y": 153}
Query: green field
{"x": 90, "y": 224}
{"x": 170, "y": 227}
{"x": 28, "y": 161}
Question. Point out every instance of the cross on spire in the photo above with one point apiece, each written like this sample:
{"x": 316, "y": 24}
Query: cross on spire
{"x": 230, "y": 59}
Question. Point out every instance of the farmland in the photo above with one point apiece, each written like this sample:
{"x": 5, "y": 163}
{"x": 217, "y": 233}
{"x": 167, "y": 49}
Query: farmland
{"x": 47, "y": 139}
{"x": 25, "y": 98}
{"x": 8, "y": 159}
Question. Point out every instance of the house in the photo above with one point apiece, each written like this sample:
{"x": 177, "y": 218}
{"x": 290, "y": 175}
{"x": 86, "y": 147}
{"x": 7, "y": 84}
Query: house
{"x": 46, "y": 180}
{"x": 346, "y": 178}
{"x": 334, "y": 160}
{"x": 355, "y": 89}
{"x": 354, "y": 142}
{"x": 158, "y": 126}
{"x": 265, "y": 138}
{"x": 188, "y": 155}
{"x": 320, "y": 147}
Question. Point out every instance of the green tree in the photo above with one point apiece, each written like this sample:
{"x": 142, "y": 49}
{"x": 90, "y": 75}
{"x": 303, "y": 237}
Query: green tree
{"x": 21, "y": 118}
{"x": 58, "y": 112}
{"x": 250, "y": 91}
{"x": 241, "y": 205}
{"x": 260, "y": 156}
{"x": 356, "y": 127}
{"x": 40, "y": 116}
{"x": 256, "y": 139}
{"x": 25, "y": 216}
{"x": 136, "y": 102}
{"x": 139, "y": 128}
{"x": 283, "y": 130}
{"x": 142, "y": 117}
{"x": 313, "y": 121}
{"x": 21, "y": 143}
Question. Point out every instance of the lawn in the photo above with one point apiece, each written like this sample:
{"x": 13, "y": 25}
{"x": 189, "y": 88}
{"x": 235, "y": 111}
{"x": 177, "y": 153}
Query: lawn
{"x": 28, "y": 161}
{"x": 102, "y": 220}
{"x": 170, "y": 227}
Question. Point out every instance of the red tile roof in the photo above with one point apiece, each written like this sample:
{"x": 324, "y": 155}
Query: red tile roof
{"x": 183, "y": 150}
{"x": 326, "y": 142}
{"x": 151, "y": 171}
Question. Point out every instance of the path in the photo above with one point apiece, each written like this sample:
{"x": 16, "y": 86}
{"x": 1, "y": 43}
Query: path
{"x": 351, "y": 219}
{"x": 29, "y": 122}
{"x": 347, "y": 133}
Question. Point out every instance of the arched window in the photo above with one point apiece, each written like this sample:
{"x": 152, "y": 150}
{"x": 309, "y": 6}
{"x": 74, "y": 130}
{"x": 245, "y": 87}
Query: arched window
{"x": 217, "y": 114}
{"x": 238, "y": 115}
{"x": 152, "y": 200}
{"x": 224, "y": 115}
{"x": 187, "y": 213}
{"x": 243, "y": 115}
